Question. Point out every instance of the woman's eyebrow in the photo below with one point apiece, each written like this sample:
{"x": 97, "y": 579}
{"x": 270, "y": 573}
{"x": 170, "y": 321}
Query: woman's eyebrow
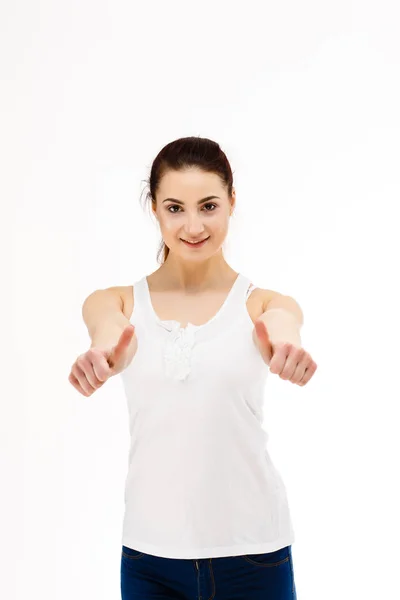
{"x": 198, "y": 202}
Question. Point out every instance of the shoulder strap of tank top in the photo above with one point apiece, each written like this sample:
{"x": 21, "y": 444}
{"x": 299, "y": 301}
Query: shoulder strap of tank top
{"x": 237, "y": 293}
{"x": 250, "y": 289}
{"x": 140, "y": 307}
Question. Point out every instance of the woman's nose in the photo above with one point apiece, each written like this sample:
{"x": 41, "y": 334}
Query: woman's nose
{"x": 194, "y": 226}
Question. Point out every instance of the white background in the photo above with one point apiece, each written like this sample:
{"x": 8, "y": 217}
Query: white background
{"x": 304, "y": 99}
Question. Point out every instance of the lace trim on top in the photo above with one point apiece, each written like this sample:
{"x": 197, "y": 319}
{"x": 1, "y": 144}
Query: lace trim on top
{"x": 178, "y": 351}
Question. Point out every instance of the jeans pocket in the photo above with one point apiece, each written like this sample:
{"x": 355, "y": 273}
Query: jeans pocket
{"x": 269, "y": 559}
{"x": 131, "y": 554}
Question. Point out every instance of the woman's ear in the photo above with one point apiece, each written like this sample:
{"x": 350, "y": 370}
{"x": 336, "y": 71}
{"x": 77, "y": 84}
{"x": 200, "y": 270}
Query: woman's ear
{"x": 233, "y": 200}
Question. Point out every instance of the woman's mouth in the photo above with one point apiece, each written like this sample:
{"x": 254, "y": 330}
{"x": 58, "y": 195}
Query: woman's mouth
{"x": 197, "y": 244}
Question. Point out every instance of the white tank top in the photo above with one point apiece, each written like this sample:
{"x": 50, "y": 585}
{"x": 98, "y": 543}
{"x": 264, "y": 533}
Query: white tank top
{"x": 200, "y": 481}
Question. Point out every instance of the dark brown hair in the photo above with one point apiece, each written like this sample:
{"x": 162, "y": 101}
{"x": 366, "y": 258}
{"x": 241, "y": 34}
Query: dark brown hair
{"x": 183, "y": 153}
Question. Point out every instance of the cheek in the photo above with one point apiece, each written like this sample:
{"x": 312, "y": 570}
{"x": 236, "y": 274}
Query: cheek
{"x": 169, "y": 225}
{"x": 221, "y": 228}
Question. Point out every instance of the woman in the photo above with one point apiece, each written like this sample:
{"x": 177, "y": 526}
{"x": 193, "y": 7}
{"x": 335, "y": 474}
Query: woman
{"x": 206, "y": 513}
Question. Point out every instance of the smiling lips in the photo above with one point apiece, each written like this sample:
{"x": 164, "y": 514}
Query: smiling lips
{"x": 195, "y": 243}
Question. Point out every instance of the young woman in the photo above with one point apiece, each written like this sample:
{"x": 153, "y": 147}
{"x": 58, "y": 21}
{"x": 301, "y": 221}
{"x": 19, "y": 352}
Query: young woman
{"x": 206, "y": 512}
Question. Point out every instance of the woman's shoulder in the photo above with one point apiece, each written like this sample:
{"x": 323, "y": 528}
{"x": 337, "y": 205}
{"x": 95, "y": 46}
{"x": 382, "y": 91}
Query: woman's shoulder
{"x": 124, "y": 293}
{"x": 259, "y": 298}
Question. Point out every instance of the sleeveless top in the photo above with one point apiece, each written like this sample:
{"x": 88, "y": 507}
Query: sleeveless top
{"x": 200, "y": 481}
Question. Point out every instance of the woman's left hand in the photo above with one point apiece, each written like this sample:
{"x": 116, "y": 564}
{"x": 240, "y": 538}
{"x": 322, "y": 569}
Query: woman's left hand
{"x": 285, "y": 359}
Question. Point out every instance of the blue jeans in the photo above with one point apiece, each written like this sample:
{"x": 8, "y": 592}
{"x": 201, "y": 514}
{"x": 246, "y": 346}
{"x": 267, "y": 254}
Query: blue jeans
{"x": 267, "y": 576}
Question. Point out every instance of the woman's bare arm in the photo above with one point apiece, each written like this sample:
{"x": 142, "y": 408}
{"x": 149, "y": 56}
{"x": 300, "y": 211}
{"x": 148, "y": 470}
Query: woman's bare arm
{"x": 102, "y": 312}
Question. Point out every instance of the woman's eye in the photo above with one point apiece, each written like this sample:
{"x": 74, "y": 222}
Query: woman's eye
{"x": 177, "y": 206}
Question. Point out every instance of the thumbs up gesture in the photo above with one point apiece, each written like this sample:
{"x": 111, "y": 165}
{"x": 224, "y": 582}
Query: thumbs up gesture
{"x": 93, "y": 368}
{"x": 118, "y": 357}
{"x": 290, "y": 361}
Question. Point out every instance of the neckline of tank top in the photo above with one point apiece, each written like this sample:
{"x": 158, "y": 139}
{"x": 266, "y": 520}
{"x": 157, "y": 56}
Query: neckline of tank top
{"x": 172, "y": 325}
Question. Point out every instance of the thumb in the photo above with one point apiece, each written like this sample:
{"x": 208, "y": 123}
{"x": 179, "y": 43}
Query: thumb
{"x": 118, "y": 350}
{"x": 264, "y": 340}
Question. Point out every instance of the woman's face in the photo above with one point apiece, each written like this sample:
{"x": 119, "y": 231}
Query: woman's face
{"x": 184, "y": 214}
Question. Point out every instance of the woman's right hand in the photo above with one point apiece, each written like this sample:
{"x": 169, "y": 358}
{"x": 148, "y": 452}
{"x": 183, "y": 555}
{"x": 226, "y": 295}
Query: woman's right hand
{"x": 93, "y": 368}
